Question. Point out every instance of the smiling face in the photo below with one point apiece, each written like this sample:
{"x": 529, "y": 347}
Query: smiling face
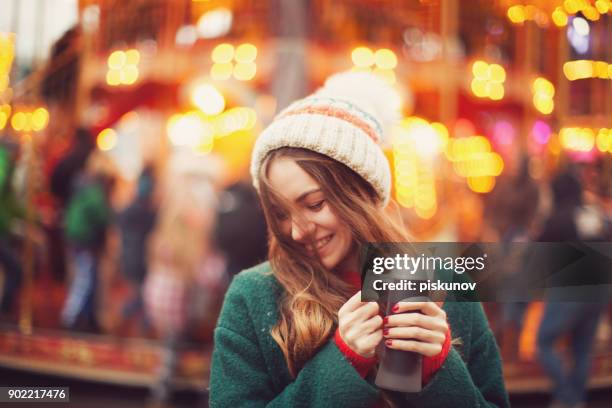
{"x": 310, "y": 220}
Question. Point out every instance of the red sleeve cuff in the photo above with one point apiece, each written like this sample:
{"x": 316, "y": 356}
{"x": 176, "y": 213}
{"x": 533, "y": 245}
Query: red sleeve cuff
{"x": 362, "y": 364}
{"x": 431, "y": 365}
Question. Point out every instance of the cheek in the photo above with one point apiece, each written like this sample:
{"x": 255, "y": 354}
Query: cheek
{"x": 345, "y": 233}
{"x": 328, "y": 220}
{"x": 285, "y": 227}
{"x": 334, "y": 224}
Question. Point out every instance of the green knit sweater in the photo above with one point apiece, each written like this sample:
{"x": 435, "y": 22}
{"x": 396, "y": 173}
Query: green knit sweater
{"x": 249, "y": 370}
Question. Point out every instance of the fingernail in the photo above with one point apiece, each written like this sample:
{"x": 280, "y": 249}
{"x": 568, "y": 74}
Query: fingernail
{"x": 395, "y": 308}
{"x": 386, "y": 320}
{"x": 388, "y": 342}
{"x": 385, "y": 331}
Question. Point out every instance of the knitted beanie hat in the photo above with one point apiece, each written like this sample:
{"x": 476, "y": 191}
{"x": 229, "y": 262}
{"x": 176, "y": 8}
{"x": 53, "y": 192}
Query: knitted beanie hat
{"x": 345, "y": 120}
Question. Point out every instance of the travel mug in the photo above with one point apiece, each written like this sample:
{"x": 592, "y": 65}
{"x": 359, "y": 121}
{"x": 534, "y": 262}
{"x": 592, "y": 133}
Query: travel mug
{"x": 399, "y": 370}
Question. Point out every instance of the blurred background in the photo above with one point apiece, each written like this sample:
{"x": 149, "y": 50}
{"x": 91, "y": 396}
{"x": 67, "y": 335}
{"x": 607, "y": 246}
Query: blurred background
{"x": 126, "y": 129}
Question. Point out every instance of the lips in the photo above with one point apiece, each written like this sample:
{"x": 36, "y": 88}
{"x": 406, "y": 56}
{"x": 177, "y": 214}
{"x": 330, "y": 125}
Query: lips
{"x": 320, "y": 243}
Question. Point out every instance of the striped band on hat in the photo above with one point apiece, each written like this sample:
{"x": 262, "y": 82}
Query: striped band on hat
{"x": 343, "y": 120}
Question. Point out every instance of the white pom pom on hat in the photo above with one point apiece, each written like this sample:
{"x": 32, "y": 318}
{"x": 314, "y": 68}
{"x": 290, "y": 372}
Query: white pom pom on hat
{"x": 369, "y": 92}
{"x": 347, "y": 120}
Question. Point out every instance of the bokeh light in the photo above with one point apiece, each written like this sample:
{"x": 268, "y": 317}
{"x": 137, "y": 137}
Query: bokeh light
{"x": 581, "y": 26}
{"x": 245, "y": 53}
{"x": 117, "y": 59}
{"x": 604, "y": 140}
{"x": 19, "y": 121}
{"x": 583, "y": 69}
{"x": 516, "y": 14}
{"x": 483, "y": 184}
{"x": 385, "y": 58}
{"x": 362, "y": 57}
{"x": 208, "y": 99}
{"x": 223, "y": 53}
{"x": 559, "y": 17}
{"x": 106, "y": 139}
{"x": 40, "y": 119}
{"x": 245, "y": 71}
{"x": 238, "y": 62}
{"x": 602, "y": 6}
{"x": 541, "y": 132}
{"x": 215, "y": 23}
{"x": 189, "y": 129}
{"x": 543, "y": 92}
{"x": 577, "y": 139}
{"x": 26, "y": 119}
{"x": 488, "y": 81}
{"x": 5, "y": 114}
{"x": 221, "y": 71}
{"x": 234, "y": 120}
{"x": 123, "y": 67}
{"x": 132, "y": 57}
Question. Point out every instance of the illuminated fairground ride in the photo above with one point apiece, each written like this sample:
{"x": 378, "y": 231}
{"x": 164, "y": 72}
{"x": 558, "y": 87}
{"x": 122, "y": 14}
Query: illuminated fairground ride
{"x": 480, "y": 82}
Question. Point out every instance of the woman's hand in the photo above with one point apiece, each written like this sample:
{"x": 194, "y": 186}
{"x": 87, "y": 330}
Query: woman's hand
{"x": 360, "y": 326}
{"x": 422, "y": 331}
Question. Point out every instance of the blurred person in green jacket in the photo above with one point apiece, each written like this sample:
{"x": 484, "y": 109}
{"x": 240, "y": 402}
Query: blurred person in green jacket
{"x": 10, "y": 211}
{"x": 86, "y": 222}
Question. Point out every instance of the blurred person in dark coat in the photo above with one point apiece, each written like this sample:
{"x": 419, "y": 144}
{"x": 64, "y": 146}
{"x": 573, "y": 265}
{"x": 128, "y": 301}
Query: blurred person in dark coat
{"x": 512, "y": 205}
{"x": 241, "y": 228}
{"x": 135, "y": 224}
{"x": 510, "y": 210}
{"x": 70, "y": 166}
{"x": 578, "y": 320}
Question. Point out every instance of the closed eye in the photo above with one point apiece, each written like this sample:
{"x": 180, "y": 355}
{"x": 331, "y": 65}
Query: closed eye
{"x": 279, "y": 214}
{"x": 316, "y": 206}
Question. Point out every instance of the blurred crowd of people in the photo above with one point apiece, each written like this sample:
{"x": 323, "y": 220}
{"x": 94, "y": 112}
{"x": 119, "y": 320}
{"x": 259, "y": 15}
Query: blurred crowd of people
{"x": 179, "y": 234}
{"x": 573, "y": 207}
{"x": 182, "y": 236}
{"x": 178, "y": 240}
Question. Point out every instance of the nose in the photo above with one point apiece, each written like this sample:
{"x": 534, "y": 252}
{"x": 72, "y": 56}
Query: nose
{"x": 300, "y": 229}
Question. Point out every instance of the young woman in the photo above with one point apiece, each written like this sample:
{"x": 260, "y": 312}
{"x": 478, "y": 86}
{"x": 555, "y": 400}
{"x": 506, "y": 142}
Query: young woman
{"x": 293, "y": 331}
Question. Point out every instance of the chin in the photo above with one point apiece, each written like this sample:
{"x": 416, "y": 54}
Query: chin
{"x": 333, "y": 262}
{"x": 335, "y": 259}
{"x": 329, "y": 264}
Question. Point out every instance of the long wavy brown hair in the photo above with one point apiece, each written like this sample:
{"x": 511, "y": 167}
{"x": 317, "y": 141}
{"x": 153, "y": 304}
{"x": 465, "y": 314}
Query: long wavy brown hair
{"x": 308, "y": 310}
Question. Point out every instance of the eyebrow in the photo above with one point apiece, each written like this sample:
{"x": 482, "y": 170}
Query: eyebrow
{"x": 304, "y": 195}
